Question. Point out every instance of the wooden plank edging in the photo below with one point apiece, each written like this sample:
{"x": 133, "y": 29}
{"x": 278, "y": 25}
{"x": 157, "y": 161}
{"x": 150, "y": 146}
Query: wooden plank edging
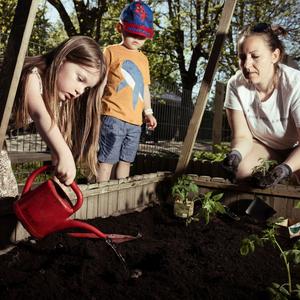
{"x": 280, "y": 190}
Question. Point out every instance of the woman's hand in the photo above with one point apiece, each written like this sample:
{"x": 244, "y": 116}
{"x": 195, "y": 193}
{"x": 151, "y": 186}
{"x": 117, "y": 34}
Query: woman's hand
{"x": 275, "y": 176}
{"x": 232, "y": 161}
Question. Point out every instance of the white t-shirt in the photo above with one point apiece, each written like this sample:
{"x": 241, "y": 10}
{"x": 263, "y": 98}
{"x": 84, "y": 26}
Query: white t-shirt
{"x": 274, "y": 122}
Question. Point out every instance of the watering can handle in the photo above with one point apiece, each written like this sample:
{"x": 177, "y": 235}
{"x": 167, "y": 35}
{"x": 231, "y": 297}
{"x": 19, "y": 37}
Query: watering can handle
{"x": 38, "y": 171}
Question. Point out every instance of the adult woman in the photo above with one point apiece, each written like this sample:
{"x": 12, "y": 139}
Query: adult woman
{"x": 263, "y": 107}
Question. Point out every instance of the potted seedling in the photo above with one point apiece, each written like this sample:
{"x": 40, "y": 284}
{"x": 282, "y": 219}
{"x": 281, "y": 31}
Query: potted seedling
{"x": 278, "y": 291}
{"x": 184, "y": 193}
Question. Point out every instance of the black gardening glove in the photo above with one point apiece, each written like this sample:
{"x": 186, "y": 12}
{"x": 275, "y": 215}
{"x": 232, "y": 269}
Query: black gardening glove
{"x": 274, "y": 176}
{"x": 231, "y": 162}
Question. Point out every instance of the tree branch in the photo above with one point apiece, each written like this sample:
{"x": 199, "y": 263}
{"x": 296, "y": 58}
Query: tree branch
{"x": 69, "y": 27}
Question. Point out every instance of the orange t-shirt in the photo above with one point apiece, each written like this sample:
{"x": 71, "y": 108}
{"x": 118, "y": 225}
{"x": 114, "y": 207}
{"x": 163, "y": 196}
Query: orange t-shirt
{"x": 128, "y": 73}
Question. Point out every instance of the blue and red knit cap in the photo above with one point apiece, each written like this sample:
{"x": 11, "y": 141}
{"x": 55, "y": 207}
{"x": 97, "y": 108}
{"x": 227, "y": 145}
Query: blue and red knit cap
{"x": 137, "y": 18}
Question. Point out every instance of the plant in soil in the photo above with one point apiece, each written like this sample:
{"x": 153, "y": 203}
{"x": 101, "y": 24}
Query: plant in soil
{"x": 269, "y": 235}
{"x": 264, "y": 166}
{"x": 170, "y": 261}
{"x": 209, "y": 207}
{"x": 260, "y": 171}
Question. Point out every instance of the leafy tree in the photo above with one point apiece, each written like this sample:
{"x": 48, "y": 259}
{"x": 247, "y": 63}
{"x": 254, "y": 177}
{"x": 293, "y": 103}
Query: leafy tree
{"x": 41, "y": 30}
{"x": 185, "y": 31}
{"x": 87, "y": 14}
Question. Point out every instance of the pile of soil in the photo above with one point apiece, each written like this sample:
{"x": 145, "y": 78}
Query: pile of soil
{"x": 170, "y": 261}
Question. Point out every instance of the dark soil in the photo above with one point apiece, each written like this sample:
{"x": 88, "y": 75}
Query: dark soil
{"x": 170, "y": 261}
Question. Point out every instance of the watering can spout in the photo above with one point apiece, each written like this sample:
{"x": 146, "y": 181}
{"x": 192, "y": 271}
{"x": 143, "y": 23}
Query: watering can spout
{"x": 93, "y": 232}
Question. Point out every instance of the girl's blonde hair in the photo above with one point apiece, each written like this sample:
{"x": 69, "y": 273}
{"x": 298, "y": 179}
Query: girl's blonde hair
{"x": 79, "y": 120}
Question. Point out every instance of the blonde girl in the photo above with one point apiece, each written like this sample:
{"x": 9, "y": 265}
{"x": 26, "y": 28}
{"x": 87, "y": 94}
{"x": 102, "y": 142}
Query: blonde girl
{"x": 60, "y": 92}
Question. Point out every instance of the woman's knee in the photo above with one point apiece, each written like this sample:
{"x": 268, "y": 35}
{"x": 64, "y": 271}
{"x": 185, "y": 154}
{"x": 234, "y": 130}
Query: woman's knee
{"x": 244, "y": 170}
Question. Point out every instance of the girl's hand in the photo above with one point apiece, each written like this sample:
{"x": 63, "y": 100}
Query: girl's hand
{"x": 151, "y": 122}
{"x": 65, "y": 168}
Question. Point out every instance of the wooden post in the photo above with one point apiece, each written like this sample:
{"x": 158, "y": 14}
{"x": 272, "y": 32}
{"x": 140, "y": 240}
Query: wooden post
{"x": 14, "y": 59}
{"x": 218, "y": 113}
{"x": 196, "y": 119}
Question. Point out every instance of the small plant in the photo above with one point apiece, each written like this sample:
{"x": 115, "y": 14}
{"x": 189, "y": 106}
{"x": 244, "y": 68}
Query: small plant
{"x": 210, "y": 206}
{"x": 278, "y": 291}
{"x": 264, "y": 166}
{"x": 217, "y": 155}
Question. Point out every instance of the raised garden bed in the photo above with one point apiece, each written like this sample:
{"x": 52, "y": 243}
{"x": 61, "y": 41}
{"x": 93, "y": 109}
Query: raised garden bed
{"x": 170, "y": 261}
{"x": 114, "y": 197}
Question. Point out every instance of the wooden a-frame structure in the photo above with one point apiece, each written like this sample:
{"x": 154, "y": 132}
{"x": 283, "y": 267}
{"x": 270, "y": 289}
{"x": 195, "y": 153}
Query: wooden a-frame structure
{"x": 201, "y": 102}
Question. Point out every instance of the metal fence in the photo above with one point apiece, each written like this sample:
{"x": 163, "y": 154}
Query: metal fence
{"x": 167, "y": 138}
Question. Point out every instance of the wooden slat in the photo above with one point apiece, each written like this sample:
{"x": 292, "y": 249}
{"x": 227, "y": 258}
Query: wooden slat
{"x": 14, "y": 59}
{"x": 207, "y": 80}
{"x": 22, "y": 157}
{"x": 282, "y": 190}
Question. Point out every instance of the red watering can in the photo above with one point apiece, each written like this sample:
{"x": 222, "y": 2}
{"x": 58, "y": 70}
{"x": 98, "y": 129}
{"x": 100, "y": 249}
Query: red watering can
{"x": 46, "y": 209}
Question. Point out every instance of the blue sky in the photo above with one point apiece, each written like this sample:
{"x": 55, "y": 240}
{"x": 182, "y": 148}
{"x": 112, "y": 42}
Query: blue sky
{"x": 52, "y": 13}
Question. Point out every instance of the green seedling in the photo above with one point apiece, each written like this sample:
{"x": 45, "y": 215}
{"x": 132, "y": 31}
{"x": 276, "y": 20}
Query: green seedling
{"x": 217, "y": 155}
{"x": 264, "y": 166}
{"x": 278, "y": 291}
{"x": 210, "y": 206}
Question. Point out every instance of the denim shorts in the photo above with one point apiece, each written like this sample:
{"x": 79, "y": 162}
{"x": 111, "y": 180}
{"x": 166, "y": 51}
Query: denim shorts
{"x": 119, "y": 140}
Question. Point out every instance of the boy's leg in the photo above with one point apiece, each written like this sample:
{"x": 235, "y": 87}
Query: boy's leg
{"x": 104, "y": 171}
{"x": 123, "y": 169}
{"x": 112, "y": 134}
{"x": 128, "y": 151}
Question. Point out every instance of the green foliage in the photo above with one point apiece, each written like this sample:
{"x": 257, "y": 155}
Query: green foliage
{"x": 23, "y": 170}
{"x": 269, "y": 235}
{"x": 42, "y": 29}
{"x": 185, "y": 31}
{"x": 218, "y": 155}
{"x": 210, "y": 206}
{"x": 264, "y": 166}
{"x": 297, "y": 205}
{"x": 185, "y": 189}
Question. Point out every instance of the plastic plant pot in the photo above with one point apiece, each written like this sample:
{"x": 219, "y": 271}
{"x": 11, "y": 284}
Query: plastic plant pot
{"x": 183, "y": 210}
{"x": 259, "y": 210}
